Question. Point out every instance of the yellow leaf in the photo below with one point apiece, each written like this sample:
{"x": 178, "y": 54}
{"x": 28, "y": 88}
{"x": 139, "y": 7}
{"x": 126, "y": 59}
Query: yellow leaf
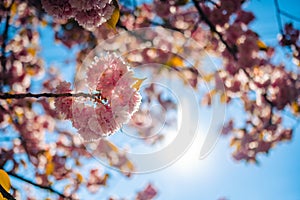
{"x": 296, "y": 61}
{"x": 48, "y": 156}
{"x": 130, "y": 165}
{"x": 68, "y": 186}
{"x": 138, "y": 83}
{"x": 257, "y": 71}
{"x": 23, "y": 163}
{"x": 112, "y": 22}
{"x": 223, "y": 98}
{"x": 261, "y": 135}
{"x": 44, "y": 23}
{"x": 77, "y": 162}
{"x": 112, "y": 147}
{"x": 261, "y": 45}
{"x": 29, "y": 70}
{"x": 208, "y": 77}
{"x": 235, "y": 142}
{"x": 295, "y": 107}
{"x": 106, "y": 176}
{"x": 9, "y": 101}
{"x": 31, "y": 51}
{"x": 79, "y": 177}
{"x": 4, "y": 180}
{"x": 212, "y": 92}
{"x": 10, "y": 120}
{"x": 13, "y": 9}
{"x": 49, "y": 168}
{"x": 175, "y": 61}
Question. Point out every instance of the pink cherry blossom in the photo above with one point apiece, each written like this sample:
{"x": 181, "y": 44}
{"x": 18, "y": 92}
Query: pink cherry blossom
{"x": 96, "y": 180}
{"x": 125, "y": 100}
{"x": 89, "y": 14}
{"x": 230, "y": 6}
{"x": 113, "y": 80}
{"x": 94, "y": 17}
{"x": 64, "y": 104}
{"x": 58, "y": 8}
{"x": 104, "y": 73}
{"x": 164, "y": 8}
{"x": 284, "y": 88}
{"x": 88, "y": 4}
{"x": 93, "y": 123}
{"x": 244, "y": 17}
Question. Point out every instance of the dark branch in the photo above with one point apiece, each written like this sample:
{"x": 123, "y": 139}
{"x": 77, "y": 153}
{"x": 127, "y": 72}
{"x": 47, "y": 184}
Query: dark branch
{"x": 164, "y": 26}
{"x": 7, "y": 138}
{"x": 6, "y": 194}
{"x": 212, "y": 2}
{"x": 28, "y": 95}
{"x": 39, "y": 186}
{"x": 278, "y": 17}
{"x": 3, "y": 45}
{"x": 213, "y": 28}
{"x": 289, "y": 15}
{"x": 134, "y": 4}
{"x": 153, "y": 23}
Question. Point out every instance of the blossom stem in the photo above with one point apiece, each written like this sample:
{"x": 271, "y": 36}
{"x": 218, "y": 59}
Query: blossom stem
{"x": 48, "y": 95}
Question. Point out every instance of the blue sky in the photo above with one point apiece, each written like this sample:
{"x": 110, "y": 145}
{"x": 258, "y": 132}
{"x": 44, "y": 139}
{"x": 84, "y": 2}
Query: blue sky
{"x": 218, "y": 175}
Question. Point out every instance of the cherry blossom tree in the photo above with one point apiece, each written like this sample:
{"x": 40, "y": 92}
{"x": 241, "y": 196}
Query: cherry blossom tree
{"x": 106, "y": 93}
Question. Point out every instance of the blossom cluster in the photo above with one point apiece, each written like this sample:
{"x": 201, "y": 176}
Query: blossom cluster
{"x": 89, "y": 14}
{"x": 115, "y": 100}
{"x": 148, "y": 193}
{"x": 291, "y": 38}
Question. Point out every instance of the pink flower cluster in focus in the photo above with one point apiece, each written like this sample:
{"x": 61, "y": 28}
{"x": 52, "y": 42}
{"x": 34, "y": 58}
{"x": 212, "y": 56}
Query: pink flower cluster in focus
{"x": 112, "y": 81}
{"x": 88, "y": 13}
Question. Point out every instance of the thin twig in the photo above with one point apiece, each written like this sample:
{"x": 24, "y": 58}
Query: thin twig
{"x": 164, "y": 26}
{"x": 278, "y": 17}
{"x": 134, "y": 4}
{"x": 289, "y": 15}
{"x": 28, "y": 95}
{"x": 39, "y": 186}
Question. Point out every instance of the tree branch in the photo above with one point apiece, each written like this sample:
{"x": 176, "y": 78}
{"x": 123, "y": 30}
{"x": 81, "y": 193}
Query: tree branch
{"x": 7, "y": 138}
{"x": 213, "y": 28}
{"x": 289, "y": 15}
{"x": 39, "y": 186}
{"x": 26, "y": 95}
{"x": 212, "y": 2}
{"x": 278, "y": 17}
{"x": 6, "y": 194}
{"x": 3, "y": 45}
{"x": 154, "y": 23}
